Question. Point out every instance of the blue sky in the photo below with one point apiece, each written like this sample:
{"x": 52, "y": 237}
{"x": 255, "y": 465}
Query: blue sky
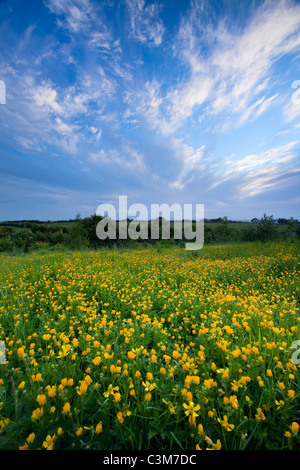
{"x": 174, "y": 101}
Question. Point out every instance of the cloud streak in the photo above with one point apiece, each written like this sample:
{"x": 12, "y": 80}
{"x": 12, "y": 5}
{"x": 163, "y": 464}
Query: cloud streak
{"x": 260, "y": 172}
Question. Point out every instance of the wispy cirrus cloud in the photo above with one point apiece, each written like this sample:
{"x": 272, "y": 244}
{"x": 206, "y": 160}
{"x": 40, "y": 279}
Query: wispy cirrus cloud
{"x": 193, "y": 161}
{"x": 292, "y": 106}
{"x": 145, "y": 24}
{"x": 53, "y": 114}
{"x": 229, "y": 76}
{"x": 259, "y": 172}
{"x": 232, "y": 74}
{"x": 73, "y": 15}
{"x": 239, "y": 60}
{"x": 126, "y": 157}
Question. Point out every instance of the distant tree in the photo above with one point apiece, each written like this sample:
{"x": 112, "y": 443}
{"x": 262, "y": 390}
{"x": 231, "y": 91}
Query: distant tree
{"x": 5, "y": 231}
{"x": 89, "y": 225}
{"x": 266, "y": 229}
{"x": 77, "y": 237}
{"x": 224, "y": 233}
{"x": 292, "y": 227}
{"x": 282, "y": 221}
{"x": 209, "y": 235}
{"x": 6, "y": 245}
{"x": 248, "y": 234}
{"x": 23, "y": 239}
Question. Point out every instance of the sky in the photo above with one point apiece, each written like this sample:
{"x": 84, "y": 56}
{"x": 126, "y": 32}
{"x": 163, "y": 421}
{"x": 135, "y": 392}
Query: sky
{"x": 165, "y": 102}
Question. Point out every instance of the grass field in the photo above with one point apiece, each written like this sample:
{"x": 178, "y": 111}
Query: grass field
{"x": 151, "y": 349}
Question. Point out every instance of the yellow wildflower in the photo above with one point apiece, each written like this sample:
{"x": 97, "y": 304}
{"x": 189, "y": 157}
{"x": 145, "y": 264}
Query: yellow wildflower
{"x": 98, "y": 429}
{"x": 200, "y": 429}
{"x": 117, "y": 397}
{"x": 37, "y": 413}
{"x": 49, "y": 442}
{"x": 51, "y": 391}
{"x": 24, "y": 447}
{"x": 21, "y": 352}
{"x": 66, "y": 408}
{"x": 131, "y": 354}
{"x": 97, "y": 360}
{"x": 260, "y": 415}
{"x": 225, "y": 424}
{"x": 191, "y": 409}
{"x": 110, "y": 390}
{"x": 295, "y": 427}
{"x": 30, "y": 438}
{"x": 41, "y": 399}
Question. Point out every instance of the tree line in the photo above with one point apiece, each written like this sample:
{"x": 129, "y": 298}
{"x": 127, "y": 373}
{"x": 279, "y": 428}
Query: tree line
{"x": 80, "y": 233}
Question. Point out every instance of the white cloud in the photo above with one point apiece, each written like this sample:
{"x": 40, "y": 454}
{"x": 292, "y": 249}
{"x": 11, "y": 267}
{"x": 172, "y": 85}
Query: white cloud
{"x": 237, "y": 67}
{"x": 29, "y": 143}
{"x": 146, "y": 26}
{"x": 259, "y": 172}
{"x": 292, "y": 107}
{"x": 126, "y": 157}
{"x": 64, "y": 128}
{"x": 145, "y": 102}
{"x": 232, "y": 77}
{"x": 45, "y": 96}
{"x": 76, "y": 15}
{"x": 192, "y": 162}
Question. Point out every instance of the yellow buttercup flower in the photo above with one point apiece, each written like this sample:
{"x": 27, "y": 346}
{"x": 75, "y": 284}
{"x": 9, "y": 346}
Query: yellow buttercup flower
{"x": 260, "y": 415}
{"x": 51, "y": 391}
{"x": 131, "y": 355}
{"x": 172, "y": 408}
{"x": 30, "y": 438}
{"x": 117, "y": 397}
{"x": 37, "y": 413}
{"x": 66, "y": 408}
{"x": 110, "y": 390}
{"x": 83, "y": 388}
{"x": 98, "y": 429}
{"x": 49, "y": 442}
{"x": 21, "y": 352}
{"x": 295, "y": 427}
{"x": 97, "y": 360}
{"x": 24, "y": 447}
{"x": 225, "y": 423}
{"x": 191, "y": 409}
{"x": 41, "y": 399}
{"x": 200, "y": 429}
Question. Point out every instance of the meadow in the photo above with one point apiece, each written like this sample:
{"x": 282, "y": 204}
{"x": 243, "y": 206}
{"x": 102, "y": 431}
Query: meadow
{"x": 151, "y": 349}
